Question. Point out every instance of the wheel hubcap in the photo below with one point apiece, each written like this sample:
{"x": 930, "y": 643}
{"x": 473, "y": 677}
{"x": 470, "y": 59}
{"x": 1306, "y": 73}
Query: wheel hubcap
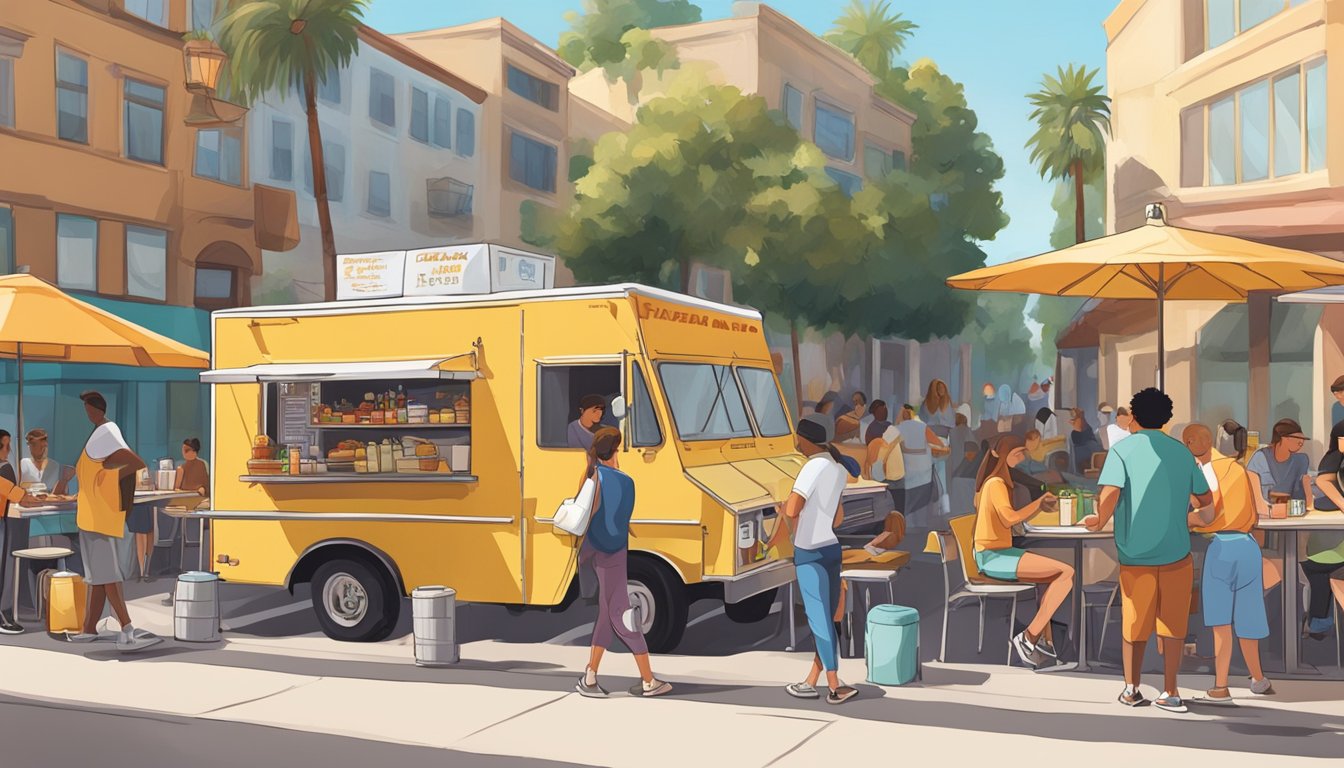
{"x": 641, "y": 599}
{"x": 345, "y": 599}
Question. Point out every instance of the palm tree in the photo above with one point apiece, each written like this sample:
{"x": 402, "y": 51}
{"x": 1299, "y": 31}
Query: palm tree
{"x": 871, "y": 33}
{"x": 1072, "y": 119}
{"x": 287, "y": 44}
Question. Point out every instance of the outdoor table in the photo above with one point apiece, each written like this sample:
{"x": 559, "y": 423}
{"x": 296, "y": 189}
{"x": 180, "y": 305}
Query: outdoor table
{"x": 1291, "y": 527}
{"x": 1078, "y": 536}
{"x": 62, "y": 509}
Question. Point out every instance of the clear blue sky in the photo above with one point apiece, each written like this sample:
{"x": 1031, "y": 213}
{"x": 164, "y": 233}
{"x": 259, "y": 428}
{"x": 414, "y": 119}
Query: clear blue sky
{"x": 999, "y": 50}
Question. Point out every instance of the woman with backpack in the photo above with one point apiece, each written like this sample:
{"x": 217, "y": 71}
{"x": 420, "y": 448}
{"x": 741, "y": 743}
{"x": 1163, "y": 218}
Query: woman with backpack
{"x": 605, "y": 548}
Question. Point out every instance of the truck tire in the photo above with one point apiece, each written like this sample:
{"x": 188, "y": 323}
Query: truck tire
{"x": 662, "y": 599}
{"x": 753, "y": 609}
{"x": 355, "y": 602}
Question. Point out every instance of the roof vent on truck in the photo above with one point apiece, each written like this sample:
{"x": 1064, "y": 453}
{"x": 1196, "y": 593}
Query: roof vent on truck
{"x": 449, "y": 270}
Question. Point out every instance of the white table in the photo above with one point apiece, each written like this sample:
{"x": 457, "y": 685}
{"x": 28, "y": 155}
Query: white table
{"x": 1078, "y": 536}
{"x": 156, "y": 499}
{"x": 1291, "y": 527}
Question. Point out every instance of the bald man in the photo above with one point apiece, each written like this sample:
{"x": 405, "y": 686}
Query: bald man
{"x": 1232, "y": 590}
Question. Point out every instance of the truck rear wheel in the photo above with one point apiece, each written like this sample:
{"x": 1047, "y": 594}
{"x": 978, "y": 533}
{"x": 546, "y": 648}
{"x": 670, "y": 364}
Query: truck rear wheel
{"x": 753, "y": 609}
{"x": 661, "y": 598}
{"x": 354, "y": 601}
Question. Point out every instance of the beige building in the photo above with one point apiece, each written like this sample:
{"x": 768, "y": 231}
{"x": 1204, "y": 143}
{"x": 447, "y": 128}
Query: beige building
{"x": 830, "y": 99}
{"x": 1221, "y": 111}
{"x": 527, "y": 120}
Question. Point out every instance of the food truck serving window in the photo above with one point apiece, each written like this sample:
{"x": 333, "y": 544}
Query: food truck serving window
{"x": 564, "y": 389}
{"x": 763, "y": 397}
{"x": 375, "y": 429}
{"x": 706, "y": 403}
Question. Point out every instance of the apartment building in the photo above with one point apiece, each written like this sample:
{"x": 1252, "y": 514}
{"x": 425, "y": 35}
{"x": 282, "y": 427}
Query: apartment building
{"x": 109, "y": 193}
{"x": 403, "y": 155}
{"x": 830, "y": 99}
{"x": 1222, "y": 113}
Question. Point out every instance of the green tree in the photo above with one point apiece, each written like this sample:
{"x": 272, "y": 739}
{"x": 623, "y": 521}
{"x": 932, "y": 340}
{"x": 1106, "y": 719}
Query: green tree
{"x": 998, "y": 329}
{"x": 613, "y": 35}
{"x": 1054, "y": 313}
{"x": 279, "y": 45}
{"x": 1072, "y": 117}
{"x": 871, "y": 33}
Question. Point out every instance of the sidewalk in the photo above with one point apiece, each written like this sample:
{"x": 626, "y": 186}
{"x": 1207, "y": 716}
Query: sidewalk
{"x": 726, "y": 710}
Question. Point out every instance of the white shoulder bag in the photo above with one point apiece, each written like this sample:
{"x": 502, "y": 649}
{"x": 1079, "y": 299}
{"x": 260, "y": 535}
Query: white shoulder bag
{"x": 573, "y": 515}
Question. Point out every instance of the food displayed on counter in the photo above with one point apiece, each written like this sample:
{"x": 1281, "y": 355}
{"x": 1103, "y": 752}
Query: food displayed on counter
{"x": 392, "y": 408}
{"x": 264, "y": 461}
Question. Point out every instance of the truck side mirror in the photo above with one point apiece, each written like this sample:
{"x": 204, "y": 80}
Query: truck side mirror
{"x": 618, "y": 408}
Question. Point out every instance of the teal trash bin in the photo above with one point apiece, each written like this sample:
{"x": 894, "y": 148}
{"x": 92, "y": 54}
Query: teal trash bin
{"x": 891, "y": 645}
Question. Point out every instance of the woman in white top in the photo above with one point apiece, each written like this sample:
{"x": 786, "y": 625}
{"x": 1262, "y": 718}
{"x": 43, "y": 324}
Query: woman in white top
{"x": 813, "y": 511}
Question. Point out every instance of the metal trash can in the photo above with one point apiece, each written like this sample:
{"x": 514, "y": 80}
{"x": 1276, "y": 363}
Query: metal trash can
{"x": 434, "y": 624}
{"x": 196, "y": 608}
{"x": 891, "y": 645}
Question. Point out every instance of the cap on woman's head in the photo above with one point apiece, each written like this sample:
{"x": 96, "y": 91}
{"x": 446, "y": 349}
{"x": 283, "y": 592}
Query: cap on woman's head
{"x": 814, "y": 431}
{"x": 35, "y": 435}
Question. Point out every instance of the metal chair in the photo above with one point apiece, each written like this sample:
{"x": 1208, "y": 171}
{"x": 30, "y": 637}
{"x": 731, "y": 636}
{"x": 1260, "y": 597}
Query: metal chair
{"x": 956, "y": 545}
{"x": 1335, "y": 609}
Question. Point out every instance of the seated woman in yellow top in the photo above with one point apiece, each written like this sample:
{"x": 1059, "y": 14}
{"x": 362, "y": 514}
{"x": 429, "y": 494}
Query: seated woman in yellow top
{"x": 995, "y": 554}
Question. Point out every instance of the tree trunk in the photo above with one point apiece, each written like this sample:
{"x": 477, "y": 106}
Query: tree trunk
{"x": 797, "y": 371}
{"x": 1079, "y": 220}
{"x": 685, "y": 269}
{"x": 320, "y": 188}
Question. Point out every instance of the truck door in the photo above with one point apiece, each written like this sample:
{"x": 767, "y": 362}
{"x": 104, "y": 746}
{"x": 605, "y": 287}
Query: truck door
{"x": 553, "y": 462}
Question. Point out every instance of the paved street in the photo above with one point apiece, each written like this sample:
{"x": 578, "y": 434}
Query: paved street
{"x": 512, "y": 695}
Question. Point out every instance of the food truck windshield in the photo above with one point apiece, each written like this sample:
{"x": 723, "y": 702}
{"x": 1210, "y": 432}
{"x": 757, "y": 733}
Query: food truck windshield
{"x": 708, "y": 403}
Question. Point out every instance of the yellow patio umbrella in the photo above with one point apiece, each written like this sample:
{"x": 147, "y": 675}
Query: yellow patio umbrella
{"x": 1158, "y": 261}
{"x": 40, "y": 322}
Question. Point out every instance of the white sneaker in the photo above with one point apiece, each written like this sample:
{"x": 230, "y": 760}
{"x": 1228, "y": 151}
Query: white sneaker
{"x": 137, "y": 643}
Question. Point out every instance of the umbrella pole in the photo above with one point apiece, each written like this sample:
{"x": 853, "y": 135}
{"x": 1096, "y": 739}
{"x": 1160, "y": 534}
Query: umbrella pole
{"x": 1161, "y": 327}
{"x": 18, "y": 437}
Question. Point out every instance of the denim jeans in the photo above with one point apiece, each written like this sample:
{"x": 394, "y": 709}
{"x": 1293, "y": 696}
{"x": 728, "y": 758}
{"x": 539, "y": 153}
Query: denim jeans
{"x": 818, "y": 573}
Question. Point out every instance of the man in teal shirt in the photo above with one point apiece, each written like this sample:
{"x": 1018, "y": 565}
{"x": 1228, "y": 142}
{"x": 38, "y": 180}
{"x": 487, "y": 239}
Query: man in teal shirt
{"x": 1146, "y": 484}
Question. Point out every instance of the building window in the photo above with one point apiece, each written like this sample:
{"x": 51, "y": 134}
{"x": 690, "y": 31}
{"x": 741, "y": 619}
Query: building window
{"x": 877, "y": 162}
{"x": 834, "y": 132}
{"x": 1315, "y": 114}
{"x": 449, "y": 197}
{"x": 282, "y": 150}
{"x": 793, "y": 107}
{"x": 329, "y": 90}
{"x": 153, "y": 11}
{"x": 382, "y": 98}
{"x": 466, "y": 132}
{"x": 898, "y": 159}
{"x": 333, "y": 159}
{"x": 443, "y": 122}
{"x": 6, "y": 240}
{"x": 6, "y": 92}
{"x": 380, "y": 194}
{"x": 144, "y": 121}
{"x": 76, "y": 252}
{"x": 534, "y": 89}
{"x": 72, "y": 98}
{"x": 419, "y": 115}
{"x": 219, "y": 155}
{"x": 531, "y": 162}
{"x": 849, "y": 183}
{"x": 1270, "y": 128}
{"x": 216, "y": 287}
{"x": 1225, "y": 19}
{"x": 146, "y": 263}
{"x": 202, "y": 14}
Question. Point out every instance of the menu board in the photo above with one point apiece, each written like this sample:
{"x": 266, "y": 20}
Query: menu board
{"x": 447, "y": 271}
{"x": 296, "y": 415}
{"x": 370, "y": 275}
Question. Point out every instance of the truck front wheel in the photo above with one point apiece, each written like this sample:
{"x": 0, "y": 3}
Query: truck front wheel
{"x": 661, "y": 599}
{"x": 354, "y": 601}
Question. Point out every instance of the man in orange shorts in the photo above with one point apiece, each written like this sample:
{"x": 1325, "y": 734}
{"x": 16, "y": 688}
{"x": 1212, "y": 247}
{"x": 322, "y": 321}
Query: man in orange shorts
{"x": 1146, "y": 484}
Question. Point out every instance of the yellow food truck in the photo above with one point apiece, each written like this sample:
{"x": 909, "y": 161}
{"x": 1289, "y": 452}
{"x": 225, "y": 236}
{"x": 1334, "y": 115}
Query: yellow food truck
{"x": 370, "y": 446}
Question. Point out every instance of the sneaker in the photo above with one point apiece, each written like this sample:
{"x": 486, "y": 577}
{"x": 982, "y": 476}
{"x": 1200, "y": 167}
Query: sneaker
{"x": 1317, "y": 629}
{"x": 594, "y": 691}
{"x": 841, "y": 695}
{"x": 1262, "y": 687}
{"x": 1048, "y": 648}
{"x": 658, "y": 688}
{"x": 81, "y": 637}
{"x": 802, "y": 691}
{"x": 1026, "y": 650}
{"x": 1217, "y": 696}
{"x": 1171, "y": 702}
{"x": 134, "y": 643}
{"x": 9, "y": 626}
{"x": 1133, "y": 698}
